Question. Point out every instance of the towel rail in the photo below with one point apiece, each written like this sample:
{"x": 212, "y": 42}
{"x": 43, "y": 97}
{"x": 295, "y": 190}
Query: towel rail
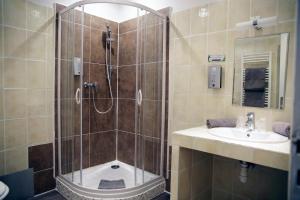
{"x": 254, "y": 59}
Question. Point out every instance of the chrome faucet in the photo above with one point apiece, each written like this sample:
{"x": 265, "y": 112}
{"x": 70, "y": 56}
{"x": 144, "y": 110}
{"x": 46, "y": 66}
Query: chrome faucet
{"x": 250, "y": 123}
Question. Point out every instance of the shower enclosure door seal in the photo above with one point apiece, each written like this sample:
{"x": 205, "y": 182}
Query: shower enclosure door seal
{"x": 58, "y": 94}
{"x": 136, "y": 106}
{"x": 81, "y": 87}
{"x": 162, "y": 131}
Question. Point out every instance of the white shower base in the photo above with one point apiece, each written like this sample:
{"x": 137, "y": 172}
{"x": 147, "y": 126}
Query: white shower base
{"x": 91, "y": 176}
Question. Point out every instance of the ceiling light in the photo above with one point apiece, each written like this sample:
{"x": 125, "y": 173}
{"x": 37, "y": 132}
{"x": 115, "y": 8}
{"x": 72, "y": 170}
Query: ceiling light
{"x": 203, "y": 12}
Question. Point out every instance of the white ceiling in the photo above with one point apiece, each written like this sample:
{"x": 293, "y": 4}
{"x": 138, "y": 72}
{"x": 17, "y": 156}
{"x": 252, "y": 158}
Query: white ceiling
{"x": 121, "y": 13}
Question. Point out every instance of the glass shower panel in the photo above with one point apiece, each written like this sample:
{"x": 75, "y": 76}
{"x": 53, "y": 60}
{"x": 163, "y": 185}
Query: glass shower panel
{"x": 150, "y": 85}
{"x": 70, "y": 96}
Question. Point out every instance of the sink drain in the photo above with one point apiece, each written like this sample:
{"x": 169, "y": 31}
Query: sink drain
{"x": 115, "y": 166}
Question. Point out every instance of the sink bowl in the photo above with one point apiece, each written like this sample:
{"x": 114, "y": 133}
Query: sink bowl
{"x": 243, "y": 135}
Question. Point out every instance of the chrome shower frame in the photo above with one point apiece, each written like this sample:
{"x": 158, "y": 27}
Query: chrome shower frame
{"x": 62, "y": 183}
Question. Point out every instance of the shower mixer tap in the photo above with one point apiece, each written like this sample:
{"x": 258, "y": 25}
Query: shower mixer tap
{"x": 92, "y": 85}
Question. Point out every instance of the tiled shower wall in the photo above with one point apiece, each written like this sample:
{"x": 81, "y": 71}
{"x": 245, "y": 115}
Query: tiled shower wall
{"x": 27, "y": 90}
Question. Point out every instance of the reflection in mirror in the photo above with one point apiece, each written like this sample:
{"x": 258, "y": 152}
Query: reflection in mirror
{"x": 260, "y": 66}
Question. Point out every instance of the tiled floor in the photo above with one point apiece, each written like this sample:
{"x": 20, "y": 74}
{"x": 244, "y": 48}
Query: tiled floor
{"x": 54, "y": 195}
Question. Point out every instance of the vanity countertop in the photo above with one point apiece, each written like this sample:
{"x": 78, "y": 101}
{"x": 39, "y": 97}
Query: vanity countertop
{"x": 274, "y": 155}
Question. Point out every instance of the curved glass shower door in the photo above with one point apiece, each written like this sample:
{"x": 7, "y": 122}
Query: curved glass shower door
{"x": 111, "y": 108}
{"x": 151, "y": 96}
{"x": 69, "y": 93}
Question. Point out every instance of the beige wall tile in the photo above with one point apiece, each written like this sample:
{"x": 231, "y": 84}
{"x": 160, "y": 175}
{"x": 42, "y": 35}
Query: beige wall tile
{"x": 198, "y": 79}
{"x": 37, "y": 102}
{"x": 14, "y": 13}
{"x": 214, "y": 107}
{"x": 179, "y": 107}
{"x": 239, "y": 11}
{"x": 16, "y": 160}
{"x": 50, "y": 49}
{"x": 1, "y": 135}
{"x": 37, "y": 17}
{"x": 14, "y": 73}
{"x": 182, "y": 22}
{"x": 15, "y": 103}
{"x": 36, "y": 74}
{"x": 36, "y": 46}
{"x": 1, "y": 38}
{"x": 216, "y": 43}
{"x": 286, "y": 10}
{"x": 217, "y": 16}
{"x": 199, "y": 50}
{"x": 181, "y": 79}
{"x": 194, "y": 110}
{"x": 37, "y": 131}
{"x": 14, "y": 42}
{"x": 1, "y": 73}
{"x": 15, "y": 133}
{"x": 50, "y": 102}
{"x": 182, "y": 50}
{"x": 50, "y": 128}
{"x": 265, "y": 8}
{"x": 198, "y": 23}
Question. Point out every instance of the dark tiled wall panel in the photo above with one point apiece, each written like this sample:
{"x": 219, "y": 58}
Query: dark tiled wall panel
{"x": 41, "y": 160}
{"x": 43, "y": 181}
{"x": 127, "y": 82}
{"x": 126, "y": 147}
{"x": 126, "y": 115}
{"x": 40, "y": 157}
{"x": 127, "y": 52}
{"x": 102, "y": 147}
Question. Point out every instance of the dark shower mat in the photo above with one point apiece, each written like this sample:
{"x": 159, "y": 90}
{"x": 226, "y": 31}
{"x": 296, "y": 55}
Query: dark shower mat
{"x": 111, "y": 184}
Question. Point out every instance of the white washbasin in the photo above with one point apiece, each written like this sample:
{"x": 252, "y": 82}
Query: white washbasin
{"x": 243, "y": 135}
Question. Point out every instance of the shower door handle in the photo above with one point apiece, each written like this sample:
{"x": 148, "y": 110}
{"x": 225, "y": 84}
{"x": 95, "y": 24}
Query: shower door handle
{"x": 77, "y": 97}
{"x": 139, "y": 97}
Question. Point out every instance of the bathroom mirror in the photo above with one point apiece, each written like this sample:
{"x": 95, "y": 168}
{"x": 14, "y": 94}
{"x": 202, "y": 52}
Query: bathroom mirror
{"x": 260, "y": 67}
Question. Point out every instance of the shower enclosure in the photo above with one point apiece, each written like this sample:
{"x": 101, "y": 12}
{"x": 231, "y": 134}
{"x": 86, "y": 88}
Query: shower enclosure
{"x": 111, "y": 96}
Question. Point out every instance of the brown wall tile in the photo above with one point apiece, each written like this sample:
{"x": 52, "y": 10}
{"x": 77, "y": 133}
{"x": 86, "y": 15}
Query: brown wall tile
{"x": 126, "y": 147}
{"x": 129, "y": 25}
{"x": 102, "y": 147}
{"x": 127, "y": 82}
{"x": 40, "y": 157}
{"x": 102, "y": 122}
{"x": 97, "y": 50}
{"x": 126, "y": 115}
{"x": 127, "y": 53}
{"x": 43, "y": 181}
{"x": 85, "y": 152}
